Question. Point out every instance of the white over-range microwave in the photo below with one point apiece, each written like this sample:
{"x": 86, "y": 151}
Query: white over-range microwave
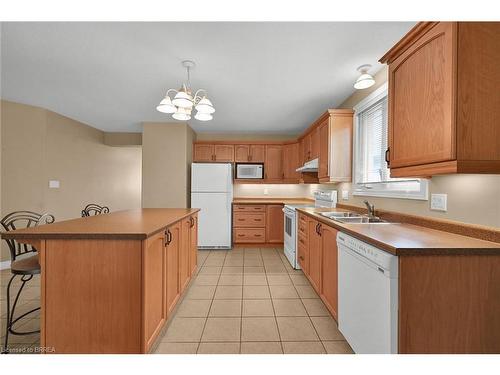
{"x": 249, "y": 171}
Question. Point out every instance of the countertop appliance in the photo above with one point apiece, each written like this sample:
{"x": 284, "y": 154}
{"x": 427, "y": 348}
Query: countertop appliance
{"x": 326, "y": 198}
{"x": 368, "y": 296}
{"x": 212, "y": 192}
{"x": 249, "y": 171}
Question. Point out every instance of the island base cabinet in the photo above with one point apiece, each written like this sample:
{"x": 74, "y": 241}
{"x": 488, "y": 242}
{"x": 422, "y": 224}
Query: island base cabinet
{"x": 113, "y": 295}
{"x": 329, "y": 269}
{"x": 91, "y": 295}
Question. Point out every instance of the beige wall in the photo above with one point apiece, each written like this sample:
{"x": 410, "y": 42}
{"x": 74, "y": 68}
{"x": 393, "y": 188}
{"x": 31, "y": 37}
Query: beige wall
{"x": 122, "y": 139}
{"x": 39, "y": 145}
{"x": 167, "y": 149}
{"x": 471, "y": 198}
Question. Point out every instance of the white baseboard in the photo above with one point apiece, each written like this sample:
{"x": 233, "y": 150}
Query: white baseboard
{"x": 5, "y": 265}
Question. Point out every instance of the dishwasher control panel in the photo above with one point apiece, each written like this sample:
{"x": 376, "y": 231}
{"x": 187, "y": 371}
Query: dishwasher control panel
{"x": 380, "y": 257}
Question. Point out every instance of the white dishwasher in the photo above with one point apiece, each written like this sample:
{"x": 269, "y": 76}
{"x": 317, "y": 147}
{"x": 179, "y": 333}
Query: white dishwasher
{"x": 368, "y": 296}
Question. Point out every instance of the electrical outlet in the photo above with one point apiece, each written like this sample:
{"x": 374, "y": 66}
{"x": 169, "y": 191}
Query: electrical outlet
{"x": 345, "y": 195}
{"x": 439, "y": 202}
{"x": 54, "y": 184}
{"x": 266, "y": 191}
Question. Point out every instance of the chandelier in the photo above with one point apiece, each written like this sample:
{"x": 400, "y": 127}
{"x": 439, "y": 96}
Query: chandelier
{"x": 183, "y": 101}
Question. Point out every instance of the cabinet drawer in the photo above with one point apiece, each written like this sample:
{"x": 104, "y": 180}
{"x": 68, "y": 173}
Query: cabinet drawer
{"x": 249, "y": 219}
{"x": 246, "y": 235}
{"x": 302, "y": 254}
{"x": 302, "y": 228}
{"x": 249, "y": 208}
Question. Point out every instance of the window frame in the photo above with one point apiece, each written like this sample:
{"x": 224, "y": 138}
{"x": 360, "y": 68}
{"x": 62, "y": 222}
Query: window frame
{"x": 380, "y": 189}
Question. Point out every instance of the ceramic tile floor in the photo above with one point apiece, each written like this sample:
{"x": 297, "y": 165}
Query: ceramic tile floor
{"x": 241, "y": 301}
{"x": 250, "y": 301}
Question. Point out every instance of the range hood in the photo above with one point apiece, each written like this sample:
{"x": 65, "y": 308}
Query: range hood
{"x": 309, "y": 166}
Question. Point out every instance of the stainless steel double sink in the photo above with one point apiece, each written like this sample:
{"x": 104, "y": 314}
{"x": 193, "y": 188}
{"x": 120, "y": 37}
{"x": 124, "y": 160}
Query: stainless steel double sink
{"x": 353, "y": 218}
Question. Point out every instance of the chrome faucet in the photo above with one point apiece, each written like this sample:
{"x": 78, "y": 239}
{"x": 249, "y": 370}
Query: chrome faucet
{"x": 371, "y": 209}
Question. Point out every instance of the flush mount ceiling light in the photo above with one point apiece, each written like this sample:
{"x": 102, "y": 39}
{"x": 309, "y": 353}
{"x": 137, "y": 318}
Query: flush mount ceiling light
{"x": 365, "y": 80}
{"x": 181, "y": 105}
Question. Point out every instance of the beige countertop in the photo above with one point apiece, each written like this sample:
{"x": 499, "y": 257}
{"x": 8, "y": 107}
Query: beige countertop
{"x": 129, "y": 224}
{"x": 407, "y": 239}
{"x": 253, "y": 200}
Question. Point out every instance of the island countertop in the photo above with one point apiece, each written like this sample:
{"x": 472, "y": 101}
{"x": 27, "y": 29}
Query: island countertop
{"x": 129, "y": 224}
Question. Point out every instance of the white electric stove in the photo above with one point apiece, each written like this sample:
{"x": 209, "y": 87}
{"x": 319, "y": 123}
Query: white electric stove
{"x": 322, "y": 198}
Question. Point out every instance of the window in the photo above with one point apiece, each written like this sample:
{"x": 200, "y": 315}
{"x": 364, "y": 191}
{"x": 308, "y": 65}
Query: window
{"x": 371, "y": 175}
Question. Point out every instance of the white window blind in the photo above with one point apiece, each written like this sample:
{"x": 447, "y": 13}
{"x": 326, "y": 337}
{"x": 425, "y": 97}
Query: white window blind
{"x": 371, "y": 175}
{"x": 373, "y": 139}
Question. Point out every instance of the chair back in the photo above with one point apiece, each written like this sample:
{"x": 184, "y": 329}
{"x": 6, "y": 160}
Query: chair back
{"x": 94, "y": 209}
{"x": 23, "y": 219}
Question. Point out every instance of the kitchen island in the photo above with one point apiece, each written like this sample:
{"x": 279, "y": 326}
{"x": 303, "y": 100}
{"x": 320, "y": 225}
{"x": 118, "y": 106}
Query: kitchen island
{"x": 110, "y": 282}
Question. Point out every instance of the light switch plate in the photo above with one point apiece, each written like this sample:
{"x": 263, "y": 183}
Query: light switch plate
{"x": 345, "y": 195}
{"x": 439, "y": 202}
{"x": 54, "y": 184}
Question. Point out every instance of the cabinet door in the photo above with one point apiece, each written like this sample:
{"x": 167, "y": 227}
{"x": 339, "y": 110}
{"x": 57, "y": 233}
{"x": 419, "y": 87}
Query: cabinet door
{"x": 193, "y": 236}
{"x": 224, "y": 153}
{"x": 421, "y": 106}
{"x": 324, "y": 142}
{"x": 154, "y": 287}
{"x": 274, "y": 223}
{"x": 315, "y": 143}
{"x": 172, "y": 261}
{"x": 307, "y": 148}
{"x": 258, "y": 153}
{"x": 184, "y": 251}
{"x": 303, "y": 253}
{"x": 314, "y": 255}
{"x": 273, "y": 167}
{"x": 241, "y": 153}
{"x": 329, "y": 271}
{"x": 203, "y": 152}
{"x": 291, "y": 162}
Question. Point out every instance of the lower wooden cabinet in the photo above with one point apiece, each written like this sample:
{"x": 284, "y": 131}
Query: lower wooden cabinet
{"x": 172, "y": 249}
{"x": 318, "y": 258}
{"x": 274, "y": 223}
{"x": 184, "y": 271}
{"x": 258, "y": 223}
{"x": 193, "y": 250}
{"x": 314, "y": 271}
{"x": 154, "y": 287}
{"x": 329, "y": 271}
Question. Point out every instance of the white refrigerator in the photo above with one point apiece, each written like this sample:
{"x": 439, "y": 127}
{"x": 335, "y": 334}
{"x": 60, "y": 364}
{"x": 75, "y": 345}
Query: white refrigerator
{"x": 212, "y": 192}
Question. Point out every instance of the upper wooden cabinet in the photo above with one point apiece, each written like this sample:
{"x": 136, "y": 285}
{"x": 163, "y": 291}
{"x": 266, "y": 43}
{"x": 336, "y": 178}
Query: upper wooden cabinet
{"x": 291, "y": 161}
{"x": 204, "y": 152}
{"x": 273, "y": 167}
{"x": 315, "y": 143}
{"x": 249, "y": 153}
{"x": 306, "y": 148}
{"x": 444, "y": 101}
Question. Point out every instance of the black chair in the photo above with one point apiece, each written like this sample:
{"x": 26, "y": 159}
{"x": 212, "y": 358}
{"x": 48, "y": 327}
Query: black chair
{"x": 22, "y": 264}
{"x": 94, "y": 209}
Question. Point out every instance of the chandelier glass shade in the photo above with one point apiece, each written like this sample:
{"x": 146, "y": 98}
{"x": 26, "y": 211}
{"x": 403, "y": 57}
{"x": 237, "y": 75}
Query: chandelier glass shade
{"x": 365, "y": 80}
{"x": 180, "y": 102}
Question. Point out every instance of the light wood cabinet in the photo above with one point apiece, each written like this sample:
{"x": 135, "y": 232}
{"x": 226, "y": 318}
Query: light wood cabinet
{"x": 193, "y": 250}
{"x": 315, "y": 143}
{"x": 314, "y": 271}
{"x": 249, "y": 153}
{"x": 172, "y": 249}
{"x": 274, "y": 223}
{"x": 241, "y": 153}
{"x": 329, "y": 268}
{"x": 291, "y": 162}
{"x": 258, "y": 223}
{"x": 303, "y": 243}
{"x": 306, "y": 148}
{"x": 324, "y": 153}
{"x": 203, "y": 152}
{"x": 154, "y": 287}
{"x": 273, "y": 167}
{"x": 443, "y": 100}
{"x": 224, "y": 153}
{"x": 184, "y": 271}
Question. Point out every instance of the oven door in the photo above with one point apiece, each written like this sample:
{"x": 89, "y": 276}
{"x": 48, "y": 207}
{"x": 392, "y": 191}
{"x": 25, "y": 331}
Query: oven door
{"x": 290, "y": 236}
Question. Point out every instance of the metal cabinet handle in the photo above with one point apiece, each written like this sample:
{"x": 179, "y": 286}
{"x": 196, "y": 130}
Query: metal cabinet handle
{"x": 387, "y": 157}
{"x": 301, "y": 257}
{"x": 168, "y": 237}
{"x": 319, "y": 229}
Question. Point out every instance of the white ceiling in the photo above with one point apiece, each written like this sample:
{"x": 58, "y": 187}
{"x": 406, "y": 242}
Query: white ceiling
{"x": 262, "y": 77}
